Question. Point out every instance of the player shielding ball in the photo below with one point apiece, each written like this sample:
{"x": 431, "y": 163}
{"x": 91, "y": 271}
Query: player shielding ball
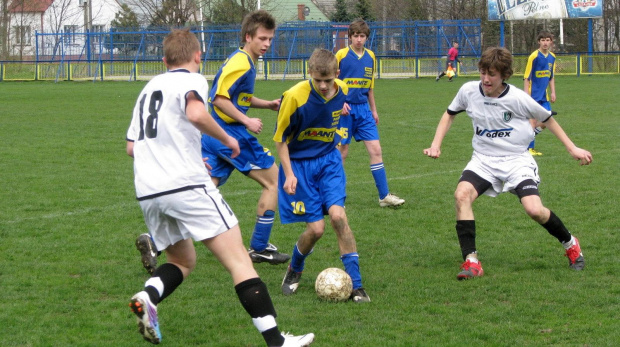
{"x": 501, "y": 161}
{"x": 311, "y": 180}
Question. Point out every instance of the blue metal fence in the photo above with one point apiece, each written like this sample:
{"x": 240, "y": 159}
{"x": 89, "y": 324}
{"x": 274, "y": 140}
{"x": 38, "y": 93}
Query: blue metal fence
{"x": 293, "y": 40}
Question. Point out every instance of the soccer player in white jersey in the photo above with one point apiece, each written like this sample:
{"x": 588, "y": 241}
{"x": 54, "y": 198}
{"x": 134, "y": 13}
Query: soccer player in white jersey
{"x": 179, "y": 202}
{"x": 501, "y": 162}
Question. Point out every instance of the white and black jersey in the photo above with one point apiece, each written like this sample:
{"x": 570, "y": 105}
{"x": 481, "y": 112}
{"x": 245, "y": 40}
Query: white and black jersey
{"x": 167, "y": 155}
{"x": 501, "y": 125}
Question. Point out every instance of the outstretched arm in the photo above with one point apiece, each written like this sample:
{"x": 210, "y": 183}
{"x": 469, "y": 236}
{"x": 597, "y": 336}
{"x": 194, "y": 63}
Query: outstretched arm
{"x": 580, "y": 154}
{"x": 434, "y": 151}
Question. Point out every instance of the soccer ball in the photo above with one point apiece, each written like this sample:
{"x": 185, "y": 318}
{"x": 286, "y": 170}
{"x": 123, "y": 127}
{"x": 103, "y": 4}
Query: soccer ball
{"x": 333, "y": 284}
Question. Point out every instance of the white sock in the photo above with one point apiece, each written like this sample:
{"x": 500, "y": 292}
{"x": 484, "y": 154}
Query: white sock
{"x": 570, "y": 243}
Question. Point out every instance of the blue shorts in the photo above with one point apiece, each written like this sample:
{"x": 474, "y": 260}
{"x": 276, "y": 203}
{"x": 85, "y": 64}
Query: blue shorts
{"x": 253, "y": 155}
{"x": 320, "y": 185}
{"x": 358, "y": 124}
{"x": 545, "y": 104}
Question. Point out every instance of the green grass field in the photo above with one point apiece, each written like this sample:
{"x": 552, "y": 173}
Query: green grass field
{"x": 68, "y": 221}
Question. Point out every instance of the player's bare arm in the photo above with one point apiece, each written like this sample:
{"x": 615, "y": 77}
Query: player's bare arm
{"x": 552, "y": 89}
{"x": 290, "y": 183}
{"x": 201, "y": 119}
{"x": 129, "y": 148}
{"x": 254, "y": 125}
{"x": 373, "y": 106}
{"x": 266, "y": 104}
{"x": 584, "y": 157}
{"x": 434, "y": 151}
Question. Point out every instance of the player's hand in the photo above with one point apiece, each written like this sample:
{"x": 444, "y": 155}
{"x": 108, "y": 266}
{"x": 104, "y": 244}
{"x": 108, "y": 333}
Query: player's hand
{"x": 254, "y": 125}
{"x": 346, "y": 109}
{"x": 375, "y": 116}
{"x": 584, "y": 157}
{"x": 233, "y": 145}
{"x": 290, "y": 185}
{"x": 552, "y": 97}
{"x": 209, "y": 168}
{"x": 274, "y": 104}
{"x": 432, "y": 152}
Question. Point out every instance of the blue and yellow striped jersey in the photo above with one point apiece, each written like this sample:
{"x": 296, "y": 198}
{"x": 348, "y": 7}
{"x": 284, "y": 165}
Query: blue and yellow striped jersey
{"x": 235, "y": 81}
{"x": 539, "y": 70}
{"x": 307, "y": 121}
{"x": 357, "y": 72}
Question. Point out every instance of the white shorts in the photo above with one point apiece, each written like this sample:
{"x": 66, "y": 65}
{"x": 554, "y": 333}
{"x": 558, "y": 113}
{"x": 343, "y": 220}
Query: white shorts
{"x": 199, "y": 213}
{"x": 504, "y": 173}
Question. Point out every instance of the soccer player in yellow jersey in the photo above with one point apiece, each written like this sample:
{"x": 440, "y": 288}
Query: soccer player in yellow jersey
{"x": 539, "y": 73}
{"x": 357, "y": 69}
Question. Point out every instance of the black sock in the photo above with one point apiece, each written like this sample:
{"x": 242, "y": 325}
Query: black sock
{"x": 171, "y": 277}
{"x": 255, "y": 299}
{"x": 466, "y": 231}
{"x": 556, "y": 228}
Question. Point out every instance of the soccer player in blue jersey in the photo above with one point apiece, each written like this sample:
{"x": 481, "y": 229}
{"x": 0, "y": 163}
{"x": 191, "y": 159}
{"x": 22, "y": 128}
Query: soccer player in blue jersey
{"x": 500, "y": 114}
{"x": 357, "y": 69}
{"x": 539, "y": 73}
{"x": 311, "y": 180}
{"x": 229, "y": 100}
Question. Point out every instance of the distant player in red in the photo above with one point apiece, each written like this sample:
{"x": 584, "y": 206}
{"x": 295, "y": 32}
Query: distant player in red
{"x": 453, "y": 58}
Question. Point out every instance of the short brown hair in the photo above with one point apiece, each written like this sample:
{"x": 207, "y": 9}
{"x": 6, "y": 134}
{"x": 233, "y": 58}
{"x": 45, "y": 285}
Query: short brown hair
{"x": 544, "y": 35}
{"x": 498, "y": 59}
{"x": 180, "y": 46}
{"x": 253, "y": 20}
{"x": 359, "y": 26}
{"x": 323, "y": 62}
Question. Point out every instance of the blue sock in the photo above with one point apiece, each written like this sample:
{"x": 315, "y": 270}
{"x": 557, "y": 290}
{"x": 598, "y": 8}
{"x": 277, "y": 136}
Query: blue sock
{"x": 352, "y": 267}
{"x": 378, "y": 173}
{"x": 298, "y": 261}
{"x": 531, "y": 144}
{"x": 262, "y": 231}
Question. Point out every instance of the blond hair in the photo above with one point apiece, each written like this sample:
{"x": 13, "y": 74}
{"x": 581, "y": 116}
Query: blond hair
{"x": 180, "y": 46}
{"x": 323, "y": 62}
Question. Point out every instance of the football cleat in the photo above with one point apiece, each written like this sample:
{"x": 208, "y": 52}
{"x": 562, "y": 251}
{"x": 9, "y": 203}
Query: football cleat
{"x": 391, "y": 200}
{"x": 148, "y": 252}
{"x": 146, "y": 313}
{"x": 575, "y": 257}
{"x": 269, "y": 255}
{"x": 297, "y": 341}
{"x": 359, "y": 295}
{"x": 290, "y": 282}
{"x": 534, "y": 152}
{"x": 470, "y": 269}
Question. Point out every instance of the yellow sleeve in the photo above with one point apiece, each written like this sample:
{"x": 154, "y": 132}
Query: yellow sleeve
{"x": 528, "y": 67}
{"x": 233, "y": 69}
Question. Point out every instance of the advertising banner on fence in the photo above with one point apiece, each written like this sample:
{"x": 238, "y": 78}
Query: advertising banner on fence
{"x": 544, "y": 9}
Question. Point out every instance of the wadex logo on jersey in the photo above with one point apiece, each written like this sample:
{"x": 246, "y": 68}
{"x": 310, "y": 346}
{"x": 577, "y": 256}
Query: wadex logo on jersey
{"x": 494, "y": 133}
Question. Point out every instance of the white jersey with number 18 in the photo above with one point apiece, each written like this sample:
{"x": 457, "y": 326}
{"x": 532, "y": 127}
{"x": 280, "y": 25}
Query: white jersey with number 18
{"x": 167, "y": 155}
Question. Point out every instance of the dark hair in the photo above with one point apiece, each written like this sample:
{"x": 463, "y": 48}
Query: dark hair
{"x": 498, "y": 59}
{"x": 544, "y": 35}
{"x": 359, "y": 26}
{"x": 256, "y": 19}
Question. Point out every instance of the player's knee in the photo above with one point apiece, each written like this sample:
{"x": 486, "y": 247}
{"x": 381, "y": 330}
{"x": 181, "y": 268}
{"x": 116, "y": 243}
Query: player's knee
{"x": 537, "y": 213}
{"x": 315, "y": 231}
{"x": 463, "y": 197}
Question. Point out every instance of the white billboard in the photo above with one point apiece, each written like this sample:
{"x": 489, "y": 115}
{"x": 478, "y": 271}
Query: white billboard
{"x": 544, "y": 9}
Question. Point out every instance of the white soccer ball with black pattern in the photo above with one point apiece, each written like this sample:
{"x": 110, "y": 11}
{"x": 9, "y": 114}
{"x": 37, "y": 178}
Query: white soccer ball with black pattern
{"x": 333, "y": 284}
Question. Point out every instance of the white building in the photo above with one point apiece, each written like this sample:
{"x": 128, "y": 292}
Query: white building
{"x": 27, "y": 17}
